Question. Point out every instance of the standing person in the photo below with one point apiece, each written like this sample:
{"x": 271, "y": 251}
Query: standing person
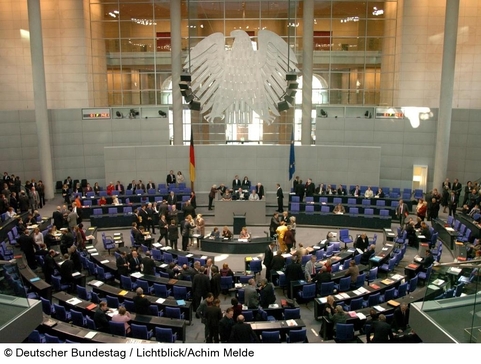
{"x": 163, "y": 230}
{"x": 260, "y": 190}
{"x": 200, "y": 224}
{"x": 281, "y": 232}
{"x": 289, "y": 239}
{"x": 251, "y": 297}
{"x": 275, "y": 222}
{"x": 215, "y": 282}
{"x": 280, "y": 198}
{"x": 402, "y": 212}
{"x": 226, "y": 324}
{"x": 147, "y": 264}
{"x": 200, "y": 311}
{"x": 186, "y": 227}
{"x": 41, "y": 193}
{"x": 122, "y": 264}
{"x": 242, "y": 332}
{"x": 171, "y": 179}
{"x": 200, "y": 288}
{"x": 212, "y": 193}
{"x": 268, "y": 256}
{"x": 421, "y": 209}
{"x": 34, "y": 199}
{"x": 381, "y": 330}
{"x": 49, "y": 266}
{"x": 66, "y": 270}
{"x": 433, "y": 209}
{"x": 213, "y": 315}
{"x": 453, "y": 203}
{"x": 173, "y": 234}
{"x": 28, "y": 247}
{"x": 293, "y": 273}
{"x": 266, "y": 293}
{"x": 141, "y": 303}
{"x": 309, "y": 188}
{"x": 445, "y": 194}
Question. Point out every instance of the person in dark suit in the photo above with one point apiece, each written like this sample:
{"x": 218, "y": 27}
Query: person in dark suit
{"x": 428, "y": 260}
{"x": 212, "y": 317}
{"x": 215, "y": 282}
{"x": 367, "y": 254}
{"x": 141, "y": 303}
{"x": 49, "y": 266}
{"x": 66, "y": 241}
{"x": 268, "y": 256}
{"x": 173, "y": 234}
{"x": 122, "y": 264}
{"x": 171, "y": 179}
{"x": 293, "y": 272}
{"x": 278, "y": 262}
{"x": 149, "y": 224}
{"x": 134, "y": 262}
{"x": 150, "y": 186}
{"x": 66, "y": 270}
{"x": 236, "y": 183}
{"x": 280, "y": 198}
{"x": 402, "y": 212}
{"x": 225, "y": 325}
{"x": 401, "y": 317}
{"x": 309, "y": 188}
{"x": 453, "y": 203}
{"x": 148, "y": 264}
{"x": 242, "y": 332}
{"x": 57, "y": 217}
{"x": 321, "y": 276}
{"x": 266, "y": 293}
{"x": 171, "y": 199}
{"x": 141, "y": 185}
{"x": 101, "y": 319}
{"x": 132, "y": 185}
{"x": 246, "y": 184}
{"x": 119, "y": 188}
{"x": 362, "y": 242}
{"x": 381, "y": 331}
{"x": 260, "y": 190}
{"x": 200, "y": 288}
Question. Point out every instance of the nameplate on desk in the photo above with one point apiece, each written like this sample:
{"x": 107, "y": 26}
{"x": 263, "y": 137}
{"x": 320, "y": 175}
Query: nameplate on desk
{"x": 243, "y": 240}
{"x": 388, "y": 229}
{"x": 34, "y": 279}
{"x": 105, "y": 261}
{"x": 391, "y": 234}
{"x": 90, "y": 247}
{"x": 421, "y": 237}
{"x": 93, "y": 250}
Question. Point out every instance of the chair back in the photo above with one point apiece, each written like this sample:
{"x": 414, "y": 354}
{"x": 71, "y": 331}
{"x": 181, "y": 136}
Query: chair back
{"x": 270, "y": 336}
{"x": 344, "y": 284}
{"x": 292, "y": 313}
{"x": 297, "y": 336}
{"x": 344, "y": 332}
{"x": 180, "y": 293}
{"x": 112, "y": 301}
{"x": 327, "y": 288}
{"x": 356, "y": 304}
{"x": 140, "y": 332}
{"x": 160, "y": 290}
{"x": 78, "y": 318}
{"x": 402, "y": 290}
{"x": 164, "y": 335}
{"x": 226, "y": 282}
{"x": 83, "y": 293}
{"x": 90, "y": 323}
{"x": 173, "y": 312}
{"x": 373, "y": 299}
{"x": 117, "y": 328}
{"x": 52, "y": 339}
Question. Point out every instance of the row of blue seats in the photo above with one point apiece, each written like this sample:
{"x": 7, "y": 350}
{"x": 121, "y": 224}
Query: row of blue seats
{"x": 354, "y": 211}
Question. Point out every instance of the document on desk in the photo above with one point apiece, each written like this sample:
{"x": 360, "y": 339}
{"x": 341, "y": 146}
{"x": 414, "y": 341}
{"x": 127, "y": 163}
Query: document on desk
{"x": 93, "y": 250}
{"x": 362, "y": 290}
{"x": 74, "y": 301}
{"x": 322, "y": 299}
{"x": 160, "y": 300}
{"x": 397, "y": 277}
{"x": 156, "y": 245}
{"x": 90, "y": 334}
{"x": 281, "y": 273}
{"x": 164, "y": 265}
{"x": 75, "y": 274}
{"x": 454, "y": 270}
{"x": 291, "y": 322}
{"x": 203, "y": 257}
{"x": 94, "y": 254}
{"x": 105, "y": 261}
{"x": 438, "y": 282}
{"x": 361, "y": 316}
{"x": 449, "y": 229}
{"x": 338, "y": 297}
{"x": 96, "y": 283}
{"x": 379, "y": 308}
{"x": 137, "y": 275}
{"x": 189, "y": 255}
{"x": 273, "y": 305}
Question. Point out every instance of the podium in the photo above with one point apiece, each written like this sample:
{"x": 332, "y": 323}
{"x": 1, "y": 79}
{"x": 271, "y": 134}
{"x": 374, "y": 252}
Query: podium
{"x": 239, "y": 223}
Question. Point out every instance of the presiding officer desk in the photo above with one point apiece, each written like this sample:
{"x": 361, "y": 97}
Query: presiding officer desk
{"x": 254, "y": 211}
{"x": 252, "y": 246}
{"x": 66, "y": 331}
{"x": 88, "y": 308}
{"x": 343, "y": 220}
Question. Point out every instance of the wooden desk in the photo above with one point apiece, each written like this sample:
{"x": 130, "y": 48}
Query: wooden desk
{"x": 106, "y": 289}
{"x": 74, "y": 333}
{"x": 279, "y": 325}
{"x": 177, "y": 325}
{"x": 31, "y": 279}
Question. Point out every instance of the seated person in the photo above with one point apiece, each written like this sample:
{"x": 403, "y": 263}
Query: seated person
{"x": 227, "y": 195}
{"x": 380, "y": 193}
{"x": 338, "y": 316}
{"x": 215, "y": 234}
{"x": 102, "y": 201}
{"x": 330, "y": 190}
{"x": 226, "y": 233}
{"x": 226, "y": 271}
{"x": 428, "y": 260}
{"x": 244, "y": 234}
{"x": 362, "y": 242}
{"x": 115, "y": 201}
{"x": 239, "y": 195}
{"x": 367, "y": 254}
{"x": 475, "y": 210}
{"x": 339, "y": 209}
{"x": 320, "y": 190}
{"x": 425, "y": 231}
{"x": 253, "y": 196}
{"x": 369, "y": 193}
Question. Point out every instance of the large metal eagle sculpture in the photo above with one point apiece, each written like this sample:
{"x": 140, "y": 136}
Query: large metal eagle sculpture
{"x": 235, "y": 82}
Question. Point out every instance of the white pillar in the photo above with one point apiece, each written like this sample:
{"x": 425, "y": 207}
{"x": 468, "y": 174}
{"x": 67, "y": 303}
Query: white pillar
{"x": 307, "y": 61}
{"x": 446, "y": 95}
{"x": 176, "y": 54}
{"x": 40, "y": 96}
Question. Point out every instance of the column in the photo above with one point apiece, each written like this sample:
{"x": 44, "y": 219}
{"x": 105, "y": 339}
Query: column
{"x": 307, "y": 57}
{"x": 176, "y": 57}
{"x": 446, "y": 94}
{"x": 40, "y": 96}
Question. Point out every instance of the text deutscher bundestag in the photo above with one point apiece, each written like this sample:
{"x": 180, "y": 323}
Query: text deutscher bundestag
{"x": 135, "y": 352}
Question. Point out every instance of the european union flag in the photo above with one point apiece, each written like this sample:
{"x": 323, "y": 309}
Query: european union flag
{"x": 292, "y": 158}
